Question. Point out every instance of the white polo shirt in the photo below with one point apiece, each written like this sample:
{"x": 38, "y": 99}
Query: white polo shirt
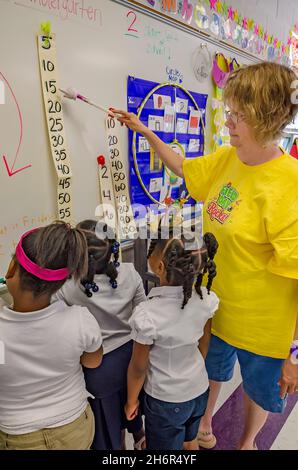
{"x": 112, "y": 308}
{"x": 176, "y": 371}
{"x": 41, "y": 382}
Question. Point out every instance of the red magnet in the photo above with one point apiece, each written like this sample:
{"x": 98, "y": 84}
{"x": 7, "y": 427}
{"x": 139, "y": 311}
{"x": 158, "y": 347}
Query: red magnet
{"x": 101, "y": 160}
{"x": 168, "y": 201}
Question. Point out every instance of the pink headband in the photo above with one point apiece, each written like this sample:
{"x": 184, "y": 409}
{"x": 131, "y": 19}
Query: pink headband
{"x": 42, "y": 273}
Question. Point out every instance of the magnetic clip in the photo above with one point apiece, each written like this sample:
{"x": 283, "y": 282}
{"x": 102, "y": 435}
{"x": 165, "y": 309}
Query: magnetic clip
{"x": 46, "y": 27}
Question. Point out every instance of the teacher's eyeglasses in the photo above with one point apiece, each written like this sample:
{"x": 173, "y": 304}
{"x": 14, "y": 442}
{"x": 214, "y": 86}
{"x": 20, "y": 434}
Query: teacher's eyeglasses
{"x": 234, "y": 116}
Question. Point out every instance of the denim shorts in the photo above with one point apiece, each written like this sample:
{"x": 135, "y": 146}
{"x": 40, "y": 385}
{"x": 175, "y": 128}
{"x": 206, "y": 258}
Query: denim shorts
{"x": 169, "y": 425}
{"x": 260, "y": 374}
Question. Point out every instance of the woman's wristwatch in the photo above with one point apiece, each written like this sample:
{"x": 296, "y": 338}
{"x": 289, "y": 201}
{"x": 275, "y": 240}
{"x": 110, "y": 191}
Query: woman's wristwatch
{"x": 294, "y": 352}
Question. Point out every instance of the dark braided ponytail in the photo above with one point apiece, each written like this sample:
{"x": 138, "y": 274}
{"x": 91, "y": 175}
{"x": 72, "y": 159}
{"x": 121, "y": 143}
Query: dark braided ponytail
{"x": 212, "y": 246}
{"x": 182, "y": 265}
{"x": 185, "y": 263}
{"x": 100, "y": 252}
{"x": 178, "y": 262}
{"x": 179, "y": 268}
{"x": 151, "y": 248}
{"x": 208, "y": 251}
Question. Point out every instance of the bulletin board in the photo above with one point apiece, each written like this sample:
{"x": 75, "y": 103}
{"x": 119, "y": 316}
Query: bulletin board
{"x": 178, "y": 117}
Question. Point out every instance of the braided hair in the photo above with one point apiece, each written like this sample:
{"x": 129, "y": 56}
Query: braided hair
{"x": 210, "y": 249}
{"x": 100, "y": 252}
{"x": 182, "y": 265}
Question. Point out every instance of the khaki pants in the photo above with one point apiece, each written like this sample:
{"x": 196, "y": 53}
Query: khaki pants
{"x": 77, "y": 435}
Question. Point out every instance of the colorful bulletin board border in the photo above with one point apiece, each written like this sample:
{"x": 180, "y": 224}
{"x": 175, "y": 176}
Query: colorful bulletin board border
{"x": 219, "y": 19}
{"x": 141, "y": 99}
{"x": 294, "y": 48}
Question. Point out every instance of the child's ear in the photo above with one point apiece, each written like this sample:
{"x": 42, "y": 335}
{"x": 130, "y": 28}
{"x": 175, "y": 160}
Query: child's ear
{"x": 11, "y": 269}
{"x": 161, "y": 268}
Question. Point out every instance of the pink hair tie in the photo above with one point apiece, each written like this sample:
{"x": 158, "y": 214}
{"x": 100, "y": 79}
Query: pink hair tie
{"x": 45, "y": 274}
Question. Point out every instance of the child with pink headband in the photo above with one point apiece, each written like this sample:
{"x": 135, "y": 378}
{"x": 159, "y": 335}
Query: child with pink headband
{"x": 43, "y": 397}
{"x": 110, "y": 291}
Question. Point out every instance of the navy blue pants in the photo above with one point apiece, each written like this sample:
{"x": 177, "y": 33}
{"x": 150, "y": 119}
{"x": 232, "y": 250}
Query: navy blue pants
{"x": 108, "y": 384}
{"x": 169, "y": 425}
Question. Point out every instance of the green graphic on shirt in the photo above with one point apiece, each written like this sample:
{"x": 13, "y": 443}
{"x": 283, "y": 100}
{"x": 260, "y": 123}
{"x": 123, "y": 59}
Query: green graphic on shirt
{"x": 220, "y": 208}
{"x": 227, "y": 196}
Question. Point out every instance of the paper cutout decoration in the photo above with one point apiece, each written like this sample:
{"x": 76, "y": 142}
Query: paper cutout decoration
{"x": 155, "y": 123}
{"x": 220, "y": 70}
{"x": 193, "y": 123}
{"x": 194, "y": 145}
{"x": 178, "y": 148}
{"x": 169, "y": 6}
{"x": 155, "y": 185}
{"x": 223, "y": 67}
{"x": 228, "y": 24}
{"x": 259, "y": 46}
{"x": 251, "y": 42}
{"x": 169, "y": 118}
{"x": 181, "y": 126}
{"x": 187, "y": 11}
{"x": 294, "y": 150}
{"x": 143, "y": 145}
{"x": 170, "y": 180}
{"x": 201, "y": 19}
{"x": 237, "y": 34}
{"x": 181, "y": 106}
{"x": 245, "y": 36}
{"x": 215, "y": 24}
{"x": 231, "y": 13}
{"x": 160, "y": 101}
{"x": 202, "y": 63}
{"x": 155, "y": 161}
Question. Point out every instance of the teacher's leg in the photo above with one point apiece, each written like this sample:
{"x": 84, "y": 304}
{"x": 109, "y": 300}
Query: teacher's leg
{"x": 260, "y": 376}
{"x": 255, "y": 418}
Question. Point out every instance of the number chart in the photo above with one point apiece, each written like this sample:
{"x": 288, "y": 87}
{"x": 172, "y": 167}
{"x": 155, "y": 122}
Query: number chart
{"x": 55, "y": 124}
{"x": 124, "y": 219}
{"x": 178, "y": 117}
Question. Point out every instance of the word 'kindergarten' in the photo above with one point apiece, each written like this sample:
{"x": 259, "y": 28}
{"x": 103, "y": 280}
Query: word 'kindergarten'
{"x": 68, "y": 9}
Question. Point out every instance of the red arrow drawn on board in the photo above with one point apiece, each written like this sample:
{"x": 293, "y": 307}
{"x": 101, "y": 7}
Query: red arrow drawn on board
{"x": 10, "y": 170}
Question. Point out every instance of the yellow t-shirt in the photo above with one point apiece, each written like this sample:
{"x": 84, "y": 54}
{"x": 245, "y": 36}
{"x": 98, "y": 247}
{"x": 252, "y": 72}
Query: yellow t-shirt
{"x": 253, "y": 212}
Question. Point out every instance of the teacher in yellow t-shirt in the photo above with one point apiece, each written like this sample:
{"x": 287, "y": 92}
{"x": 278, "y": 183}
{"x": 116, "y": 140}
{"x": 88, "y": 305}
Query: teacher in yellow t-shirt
{"x": 250, "y": 195}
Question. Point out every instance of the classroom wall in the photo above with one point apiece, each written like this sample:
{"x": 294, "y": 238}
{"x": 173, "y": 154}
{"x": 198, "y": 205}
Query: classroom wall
{"x": 96, "y": 51}
{"x": 276, "y": 16}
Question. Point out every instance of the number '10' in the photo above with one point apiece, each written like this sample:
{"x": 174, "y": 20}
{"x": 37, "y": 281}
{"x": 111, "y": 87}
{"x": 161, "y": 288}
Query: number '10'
{"x": 48, "y": 65}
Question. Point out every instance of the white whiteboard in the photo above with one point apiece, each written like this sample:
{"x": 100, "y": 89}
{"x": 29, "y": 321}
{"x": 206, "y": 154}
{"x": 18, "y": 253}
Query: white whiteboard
{"x": 95, "y": 53}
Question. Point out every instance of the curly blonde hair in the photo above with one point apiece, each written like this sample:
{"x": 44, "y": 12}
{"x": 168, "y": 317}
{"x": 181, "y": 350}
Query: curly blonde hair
{"x": 263, "y": 93}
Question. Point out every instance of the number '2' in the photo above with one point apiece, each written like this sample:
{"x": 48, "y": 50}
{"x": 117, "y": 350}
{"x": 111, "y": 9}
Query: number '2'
{"x": 130, "y": 28}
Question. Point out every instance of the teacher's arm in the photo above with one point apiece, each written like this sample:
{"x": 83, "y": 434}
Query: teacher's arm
{"x": 171, "y": 159}
{"x": 289, "y": 377}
